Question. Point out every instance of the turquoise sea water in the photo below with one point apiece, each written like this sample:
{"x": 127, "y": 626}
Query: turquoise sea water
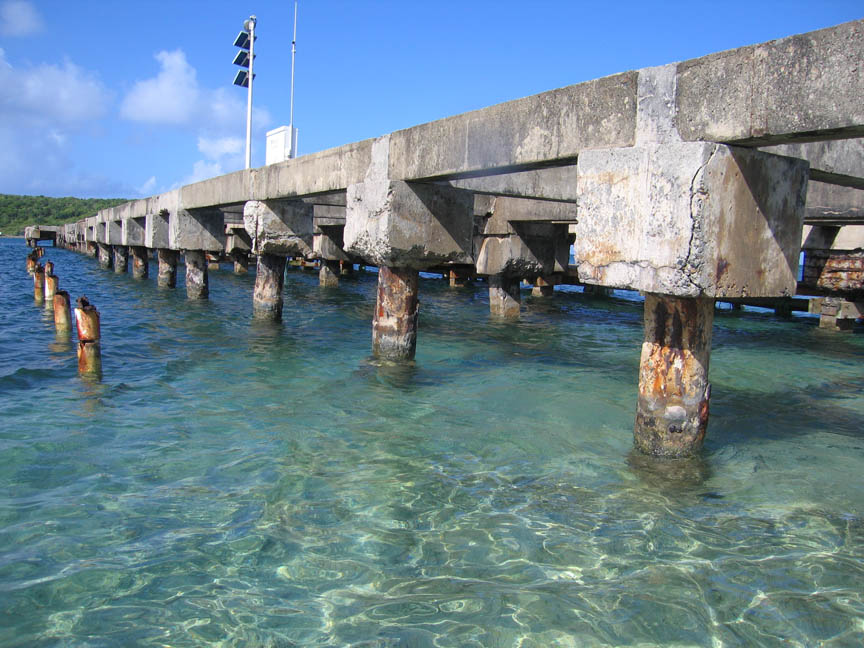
{"x": 234, "y": 483}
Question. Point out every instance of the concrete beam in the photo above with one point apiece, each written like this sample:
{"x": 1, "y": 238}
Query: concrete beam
{"x": 198, "y": 230}
{"x": 836, "y": 162}
{"x": 279, "y": 227}
{"x": 553, "y": 183}
{"x": 690, "y": 219}
{"x": 800, "y": 88}
{"x": 533, "y": 131}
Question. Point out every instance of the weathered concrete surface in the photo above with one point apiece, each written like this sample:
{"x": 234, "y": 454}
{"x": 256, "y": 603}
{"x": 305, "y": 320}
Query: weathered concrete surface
{"x": 505, "y": 298}
{"x": 829, "y": 204}
{"x": 834, "y": 260}
{"x": 113, "y": 232}
{"x": 393, "y": 223}
{"x": 836, "y": 162}
{"x": 394, "y": 326}
{"x": 167, "y": 277}
{"x": 279, "y": 227}
{"x": 140, "y": 262}
{"x": 809, "y": 85}
{"x": 837, "y": 314}
{"x": 134, "y": 231}
{"x": 554, "y": 125}
{"x": 197, "y": 281}
{"x": 197, "y": 230}
{"x": 121, "y": 259}
{"x": 331, "y": 170}
{"x": 674, "y": 392}
{"x": 269, "y": 282}
{"x": 690, "y": 219}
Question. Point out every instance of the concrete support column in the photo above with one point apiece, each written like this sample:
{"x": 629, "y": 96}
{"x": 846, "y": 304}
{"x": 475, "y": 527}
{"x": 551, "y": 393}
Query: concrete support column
{"x": 140, "y": 262}
{"x": 121, "y": 259}
{"x": 394, "y": 326}
{"x": 241, "y": 262}
{"x": 328, "y": 274}
{"x": 459, "y": 278}
{"x": 837, "y": 314}
{"x": 672, "y": 406}
{"x": 197, "y": 282}
{"x": 346, "y": 268}
{"x": 543, "y": 288}
{"x": 106, "y": 256}
{"x": 269, "y": 283}
{"x": 212, "y": 262}
{"x": 597, "y": 291}
{"x": 167, "y": 277}
{"x": 504, "y": 296}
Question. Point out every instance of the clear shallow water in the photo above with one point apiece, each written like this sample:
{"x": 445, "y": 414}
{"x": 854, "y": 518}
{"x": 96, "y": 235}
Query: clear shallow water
{"x": 234, "y": 483}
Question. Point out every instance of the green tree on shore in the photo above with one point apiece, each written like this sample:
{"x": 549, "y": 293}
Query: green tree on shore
{"x": 17, "y": 212}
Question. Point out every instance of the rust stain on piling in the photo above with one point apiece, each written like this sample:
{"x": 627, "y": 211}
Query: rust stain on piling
{"x": 672, "y": 408}
{"x": 394, "y": 327}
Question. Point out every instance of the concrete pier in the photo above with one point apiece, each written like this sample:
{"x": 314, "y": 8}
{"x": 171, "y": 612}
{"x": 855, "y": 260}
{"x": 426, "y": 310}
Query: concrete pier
{"x": 121, "y": 259}
{"x": 140, "y": 262}
{"x": 269, "y": 284}
{"x": 394, "y": 325}
{"x": 674, "y": 392}
{"x": 505, "y": 297}
{"x": 106, "y": 256}
{"x": 689, "y": 182}
{"x": 167, "y": 259}
{"x": 197, "y": 281}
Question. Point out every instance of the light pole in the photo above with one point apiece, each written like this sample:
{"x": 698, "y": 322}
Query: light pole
{"x": 246, "y": 41}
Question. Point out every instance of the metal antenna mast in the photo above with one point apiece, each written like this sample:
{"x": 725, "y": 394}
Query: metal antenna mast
{"x": 293, "y": 53}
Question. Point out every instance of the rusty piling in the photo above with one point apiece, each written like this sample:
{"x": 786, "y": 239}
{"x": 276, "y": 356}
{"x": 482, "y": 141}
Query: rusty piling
{"x": 674, "y": 392}
{"x": 140, "y": 262}
{"x": 197, "y": 280}
{"x": 62, "y": 312}
{"x": 167, "y": 277}
{"x": 89, "y": 338}
{"x": 106, "y": 256}
{"x": 121, "y": 259}
{"x": 39, "y": 283}
{"x": 269, "y": 283}
{"x": 394, "y": 326}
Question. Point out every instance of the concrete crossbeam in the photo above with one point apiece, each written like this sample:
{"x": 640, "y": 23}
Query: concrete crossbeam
{"x": 279, "y": 227}
{"x": 397, "y": 224}
{"x": 690, "y": 219}
{"x": 198, "y": 230}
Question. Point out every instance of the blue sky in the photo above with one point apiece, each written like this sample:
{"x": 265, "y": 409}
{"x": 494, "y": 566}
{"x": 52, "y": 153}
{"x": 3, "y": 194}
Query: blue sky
{"x": 128, "y": 99}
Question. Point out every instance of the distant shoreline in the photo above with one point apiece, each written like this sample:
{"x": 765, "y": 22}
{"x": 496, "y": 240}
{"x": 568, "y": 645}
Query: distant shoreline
{"x": 15, "y": 236}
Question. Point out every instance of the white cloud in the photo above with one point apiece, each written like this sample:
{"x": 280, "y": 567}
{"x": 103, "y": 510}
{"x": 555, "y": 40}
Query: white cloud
{"x": 174, "y": 97}
{"x": 202, "y": 170}
{"x": 214, "y": 148}
{"x": 171, "y": 97}
{"x": 39, "y": 120}
{"x": 19, "y": 18}
{"x": 147, "y": 188}
{"x": 56, "y": 95}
